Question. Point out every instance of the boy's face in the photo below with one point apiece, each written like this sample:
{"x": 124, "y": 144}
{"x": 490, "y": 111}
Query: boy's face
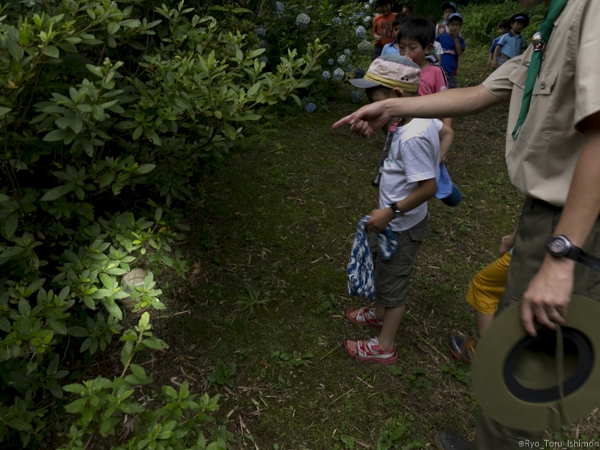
{"x": 378, "y": 95}
{"x": 385, "y": 9}
{"x": 396, "y": 30}
{"x": 517, "y": 26}
{"x": 502, "y": 30}
{"x": 406, "y": 10}
{"x": 454, "y": 27}
{"x": 447, "y": 12}
{"x": 413, "y": 50}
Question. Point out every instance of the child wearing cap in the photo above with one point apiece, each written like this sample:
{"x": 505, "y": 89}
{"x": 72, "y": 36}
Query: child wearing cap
{"x": 382, "y": 26}
{"x": 447, "y": 8}
{"x": 503, "y": 28}
{"x": 407, "y": 182}
{"x": 453, "y": 45}
{"x": 512, "y": 43}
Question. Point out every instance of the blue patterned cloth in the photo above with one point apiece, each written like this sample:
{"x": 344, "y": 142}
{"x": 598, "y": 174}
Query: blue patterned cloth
{"x": 361, "y": 272}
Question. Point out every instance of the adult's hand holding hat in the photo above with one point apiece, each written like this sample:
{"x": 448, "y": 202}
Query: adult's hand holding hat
{"x": 541, "y": 382}
{"x": 547, "y": 297}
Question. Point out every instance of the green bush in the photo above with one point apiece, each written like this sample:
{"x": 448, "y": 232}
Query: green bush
{"x": 107, "y": 118}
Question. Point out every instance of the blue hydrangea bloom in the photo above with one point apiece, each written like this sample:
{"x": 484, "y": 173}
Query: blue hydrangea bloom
{"x": 361, "y": 32}
{"x": 359, "y": 73}
{"x": 336, "y": 21}
{"x": 355, "y": 96}
{"x": 302, "y": 20}
{"x": 347, "y": 52}
{"x": 364, "y": 46}
{"x": 263, "y": 59}
{"x": 260, "y": 31}
{"x": 279, "y": 9}
{"x": 326, "y": 75}
{"x": 330, "y": 62}
{"x": 367, "y": 19}
{"x": 310, "y": 108}
{"x": 341, "y": 59}
{"x": 338, "y": 74}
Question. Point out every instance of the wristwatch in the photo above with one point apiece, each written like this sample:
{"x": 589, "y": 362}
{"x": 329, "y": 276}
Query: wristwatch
{"x": 397, "y": 212}
{"x": 559, "y": 246}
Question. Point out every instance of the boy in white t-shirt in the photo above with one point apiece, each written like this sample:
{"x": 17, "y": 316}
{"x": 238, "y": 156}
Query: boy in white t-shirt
{"x": 408, "y": 180}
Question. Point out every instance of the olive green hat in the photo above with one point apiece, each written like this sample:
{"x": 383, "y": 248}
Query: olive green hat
{"x": 516, "y": 376}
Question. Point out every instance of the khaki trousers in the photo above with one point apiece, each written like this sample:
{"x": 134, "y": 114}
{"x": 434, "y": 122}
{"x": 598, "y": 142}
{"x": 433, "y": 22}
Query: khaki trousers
{"x": 537, "y": 223}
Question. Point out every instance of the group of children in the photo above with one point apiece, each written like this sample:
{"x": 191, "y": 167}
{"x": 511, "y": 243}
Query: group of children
{"x": 444, "y": 51}
{"x": 412, "y": 172}
{"x": 509, "y": 42}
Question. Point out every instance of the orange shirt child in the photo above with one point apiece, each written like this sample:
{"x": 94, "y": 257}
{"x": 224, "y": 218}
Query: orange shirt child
{"x": 382, "y": 27}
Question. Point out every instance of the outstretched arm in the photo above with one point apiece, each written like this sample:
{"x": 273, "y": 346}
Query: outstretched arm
{"x": 448, "y": 103}
{"x": 549, "y": 292}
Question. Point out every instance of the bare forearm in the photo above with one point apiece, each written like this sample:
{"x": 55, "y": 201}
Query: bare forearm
{"x": 583, "y": 202}
{"x": 420, "y": 195}
{"x": 459, "y": 49}
{"x": 448, "y": 103}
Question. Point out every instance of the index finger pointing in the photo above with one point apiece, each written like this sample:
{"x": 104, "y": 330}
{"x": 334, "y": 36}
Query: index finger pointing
{"x": 348, "y": 120}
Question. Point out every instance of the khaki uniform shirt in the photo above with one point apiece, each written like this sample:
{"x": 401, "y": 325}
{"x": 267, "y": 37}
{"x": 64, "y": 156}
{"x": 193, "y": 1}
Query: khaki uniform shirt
{"x": 542, "y": 160}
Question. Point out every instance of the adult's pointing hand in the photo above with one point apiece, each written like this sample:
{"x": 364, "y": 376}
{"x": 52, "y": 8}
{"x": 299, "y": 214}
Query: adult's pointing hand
{"x": 366, "y": 120}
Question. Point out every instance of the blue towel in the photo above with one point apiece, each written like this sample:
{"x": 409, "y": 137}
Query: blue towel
{"x": 446, "y": 189}
{"x": 361, "y": 272}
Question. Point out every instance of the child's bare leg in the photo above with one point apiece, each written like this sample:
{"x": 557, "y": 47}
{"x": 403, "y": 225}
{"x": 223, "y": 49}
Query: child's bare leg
{"x": 379, "y": 310}
{"x": 391, "y": 323}
{"x": 483, "y": 321}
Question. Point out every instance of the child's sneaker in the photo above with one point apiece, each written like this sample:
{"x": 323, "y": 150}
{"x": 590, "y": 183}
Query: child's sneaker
{"x": 462, "y": 349}
{"x": 364, "y": 316}
{"x": 370, "y": 351}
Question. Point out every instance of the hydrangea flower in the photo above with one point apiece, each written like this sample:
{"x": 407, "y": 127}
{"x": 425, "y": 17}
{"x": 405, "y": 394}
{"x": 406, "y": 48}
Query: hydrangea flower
{"x": 260, "y": 31}
{"x": 338, "y": 74}
{"x": 263, "y": 59}
{"x": 355, "y": 96}
{"x": 347, "y": 52}
{"x": 336, "y": 21}
{"x": 364, "y": 46}
{"x": 371, "y": 2}
{"x": 359, "y": 73}
{"x": 362, "y": 13}
{"x": 310, "y": 108}
{"x": 367, "y": 19}
{"x": 349, "y": 68}
{"x": 361, "y": 32}
{"x": 279, "y": 9}
{"x": 330, "y": 62}
{"x": 302, "y": 20}
{"x": 368, "y": 6}
{"x": 263, "y": 44}
{"x": 326, "y": 74}
{"x": 341, "y": 59}
{"x": 304, "y": 101}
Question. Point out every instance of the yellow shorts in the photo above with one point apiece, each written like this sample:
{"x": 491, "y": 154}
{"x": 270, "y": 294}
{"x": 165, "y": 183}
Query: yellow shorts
{"x": 488, "y": 285}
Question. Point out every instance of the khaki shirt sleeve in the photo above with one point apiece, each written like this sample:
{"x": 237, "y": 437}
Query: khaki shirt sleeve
{"x": 498, "y": 83}
{"x": 587, "y": 85}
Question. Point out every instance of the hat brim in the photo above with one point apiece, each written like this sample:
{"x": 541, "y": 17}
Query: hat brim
{"x": 489, "y": 370}
{"x": 525, "y": 19}
{"x": 361, "y": 83}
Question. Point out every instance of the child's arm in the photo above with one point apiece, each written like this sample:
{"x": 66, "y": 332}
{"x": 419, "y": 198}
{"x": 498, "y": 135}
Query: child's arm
{"x": 376, "y": 34}
{"x": 507, "y": 243}
{"x": 457, "y": 45}
{"x": 496, "y": 53}
{"x": 446, "y": 138}
{"x": 381, "y": 217}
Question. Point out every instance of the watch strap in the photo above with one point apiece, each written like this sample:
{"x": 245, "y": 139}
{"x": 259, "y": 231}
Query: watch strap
{"x": 589, "y": 260}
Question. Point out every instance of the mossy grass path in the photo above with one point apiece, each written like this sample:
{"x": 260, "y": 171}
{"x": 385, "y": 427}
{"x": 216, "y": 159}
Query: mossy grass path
{"x": 267, "y": 298}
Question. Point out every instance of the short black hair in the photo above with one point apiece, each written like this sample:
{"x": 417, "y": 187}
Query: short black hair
{"x": 407, "y": 6}
{"x": 420, "y": 30}
{"x": 401, "y": 19}
{"x": 386, "y": 90}
{"x": 384, "y": 2}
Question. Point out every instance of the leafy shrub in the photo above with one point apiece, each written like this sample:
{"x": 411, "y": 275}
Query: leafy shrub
{"x": 107, "y": 117}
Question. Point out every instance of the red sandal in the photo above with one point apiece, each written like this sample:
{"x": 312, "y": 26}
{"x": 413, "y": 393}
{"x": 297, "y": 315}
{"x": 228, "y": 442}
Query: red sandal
{"x": 370, "y": 351}
{"x": 364, "y": 316}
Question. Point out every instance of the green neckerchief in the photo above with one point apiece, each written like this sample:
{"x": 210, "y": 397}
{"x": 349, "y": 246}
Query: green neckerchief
{"x": 539, "y": 40}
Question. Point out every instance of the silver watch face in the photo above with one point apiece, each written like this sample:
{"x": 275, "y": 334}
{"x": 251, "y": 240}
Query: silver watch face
{"x": 558, "y": 246}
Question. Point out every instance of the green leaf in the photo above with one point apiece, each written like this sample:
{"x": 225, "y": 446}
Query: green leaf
{"x": 56, "y": 135}
{"x": 145, "y": 168}
{"x": 107, "y": 281}
{"x": 19, "y": 424}
{"x": 78, "y": 331}
{"x": 11, "y": 224}
{"x": 107, "y": 179}
{"x": 113, "y": 27}
{"x": 112, "y": 308}
{"x": 24, "y": 307}
{"x": 57, "y": 192}
{"x": 4, "y": 111}
{"x": 52, "y": 52}
{"x": 4, "y": 198}
{"x": 155, "y": 343}
{"x": 138, "y": 132}
{"x": 59, "y": 327}
{"x": 76, "y": 123}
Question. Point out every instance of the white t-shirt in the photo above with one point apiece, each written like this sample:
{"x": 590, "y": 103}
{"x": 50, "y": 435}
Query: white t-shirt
{"x": 414, "y": 156}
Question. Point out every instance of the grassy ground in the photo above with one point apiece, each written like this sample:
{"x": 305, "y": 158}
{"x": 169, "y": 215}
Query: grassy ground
{"x": 263, "y": 312}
